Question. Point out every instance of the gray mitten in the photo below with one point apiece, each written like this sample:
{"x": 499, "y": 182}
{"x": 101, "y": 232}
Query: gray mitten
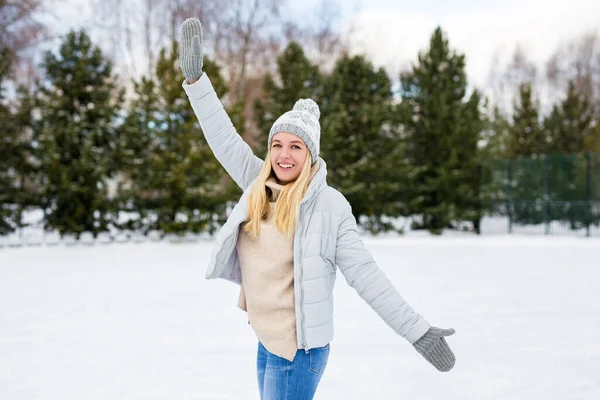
{"x": 190, "y": 52}
{"x": 435, "y": 349}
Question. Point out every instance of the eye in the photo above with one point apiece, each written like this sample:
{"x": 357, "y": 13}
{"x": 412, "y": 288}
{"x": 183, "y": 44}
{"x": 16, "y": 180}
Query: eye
{"x": 297, "y": 147}
{"x": 276, "y": 145}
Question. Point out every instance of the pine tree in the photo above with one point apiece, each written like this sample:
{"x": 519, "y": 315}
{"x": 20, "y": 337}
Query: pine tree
{"x": 298, "y": 78}
{"x": 360, "y": 143}
{"x": 10, "y": 155}
{"x": 135, "y": 155}
{"x": 76, "y": 136}
{"x": 498, "y": 135}
{"x": 172, "y": 180}
{"x": 570, "y": 125}
{"x": 570, "y": 128}
{"x": 442, "y": 129}
{"x": 526, "y": 137}
{"x": 468, "y": 196}
{"x": 526, "y": 146}
{"x": 492, "y": 156}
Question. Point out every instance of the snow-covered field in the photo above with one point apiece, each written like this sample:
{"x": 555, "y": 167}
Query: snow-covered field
{"x": 138, "y": 321}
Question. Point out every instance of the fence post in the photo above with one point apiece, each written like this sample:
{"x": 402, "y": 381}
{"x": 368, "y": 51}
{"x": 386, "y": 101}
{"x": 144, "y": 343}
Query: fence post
{"x": 510, "y": 199}
{"x": 588, "y": 191}
{"x": 546, "y": 202}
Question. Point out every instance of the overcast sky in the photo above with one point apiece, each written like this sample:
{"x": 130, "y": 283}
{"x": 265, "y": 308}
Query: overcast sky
{"x": 392, "y": 32}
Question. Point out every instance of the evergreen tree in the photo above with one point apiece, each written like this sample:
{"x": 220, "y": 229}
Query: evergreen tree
{"x": 526, "y": 136}
{"x": 76, "y": 136}
{"x": 570, "y": 125}
{"x": 172, "y": 180}
{"x": 17, "y": 185}
{"x": 299, "y": 78}
{"x": 526, "y": 145}
{"x": 594, "y": 142}
{"x": 360, "y": 143}
{"x": 492, "y": 156}
{"x": 468, "y": 195}
{"x": 135, "y": 154}
{"x": 9, "y": 155}
{"x": 498, "y": 136}
{"x": 570, "y": 128}
{"x": 442, "y": 130}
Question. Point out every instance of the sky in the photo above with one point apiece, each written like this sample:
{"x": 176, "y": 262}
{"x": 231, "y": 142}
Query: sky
{"x": 391, "y": 33}
{"x": 487, "y": 32}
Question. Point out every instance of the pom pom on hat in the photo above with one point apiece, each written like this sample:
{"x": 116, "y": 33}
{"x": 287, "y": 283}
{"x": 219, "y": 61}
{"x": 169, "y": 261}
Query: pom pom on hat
{"x": 308, "y": 105}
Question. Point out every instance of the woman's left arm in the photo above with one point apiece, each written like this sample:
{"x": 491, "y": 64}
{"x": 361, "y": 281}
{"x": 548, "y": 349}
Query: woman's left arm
{"x": 362, "y": 273}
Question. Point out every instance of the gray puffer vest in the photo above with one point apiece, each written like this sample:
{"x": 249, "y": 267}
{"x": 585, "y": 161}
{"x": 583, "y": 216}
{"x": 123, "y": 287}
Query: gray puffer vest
{"x": 326, "y": 237}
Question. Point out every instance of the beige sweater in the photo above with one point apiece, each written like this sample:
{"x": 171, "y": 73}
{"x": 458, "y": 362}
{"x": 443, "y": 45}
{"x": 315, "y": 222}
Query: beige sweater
{"x": 267, "y": 290}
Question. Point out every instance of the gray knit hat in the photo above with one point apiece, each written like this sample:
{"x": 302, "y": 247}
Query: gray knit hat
{"x": 302, "y": 121}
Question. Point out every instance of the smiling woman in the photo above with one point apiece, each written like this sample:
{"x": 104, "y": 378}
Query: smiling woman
{"x": 284, "y": 240}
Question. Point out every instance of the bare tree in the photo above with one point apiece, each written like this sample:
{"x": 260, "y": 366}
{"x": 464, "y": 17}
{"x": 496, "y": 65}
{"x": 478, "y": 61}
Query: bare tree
{"x": 177, "y": 11}
{"x": 138, "y": 29}
{"x": 328, "y": 44}
{"x": 243, "y": 36}
{"x": 578, "y": 61}
{"x": 20, "y": 29}
{"x": 118, "y": 20}
{"x": 322, "y": 43}
{"x": 505, "y": 81}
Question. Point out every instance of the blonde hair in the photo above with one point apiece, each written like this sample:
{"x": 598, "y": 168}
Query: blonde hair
{"x": 288, "y": 202}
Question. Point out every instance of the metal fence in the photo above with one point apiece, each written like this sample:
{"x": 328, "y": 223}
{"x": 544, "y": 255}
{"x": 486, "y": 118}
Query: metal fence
{"x": 550, "y": 194}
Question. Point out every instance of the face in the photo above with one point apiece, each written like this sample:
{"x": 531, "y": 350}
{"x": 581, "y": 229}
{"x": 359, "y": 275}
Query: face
{"x": 288, "y": 153}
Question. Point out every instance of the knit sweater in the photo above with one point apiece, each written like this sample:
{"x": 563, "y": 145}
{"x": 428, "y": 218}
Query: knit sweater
{"x": 267, "y": 290}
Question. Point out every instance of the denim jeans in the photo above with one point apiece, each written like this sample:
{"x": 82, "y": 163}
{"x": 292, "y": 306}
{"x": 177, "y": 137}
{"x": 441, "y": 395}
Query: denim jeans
{"x": 279, "y": 379}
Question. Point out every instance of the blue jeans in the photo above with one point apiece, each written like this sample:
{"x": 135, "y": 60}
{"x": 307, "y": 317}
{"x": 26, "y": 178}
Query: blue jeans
{"x": 279, "y": 379}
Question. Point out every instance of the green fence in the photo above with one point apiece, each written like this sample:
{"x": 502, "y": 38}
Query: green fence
{"x": 553, "y": 194}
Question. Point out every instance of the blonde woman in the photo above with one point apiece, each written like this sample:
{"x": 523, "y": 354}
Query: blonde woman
{"x": 285, "y": 239}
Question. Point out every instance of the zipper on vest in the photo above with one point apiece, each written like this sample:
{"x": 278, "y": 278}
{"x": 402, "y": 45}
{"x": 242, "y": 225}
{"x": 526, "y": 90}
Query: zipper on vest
{"x": 300, "y": 282}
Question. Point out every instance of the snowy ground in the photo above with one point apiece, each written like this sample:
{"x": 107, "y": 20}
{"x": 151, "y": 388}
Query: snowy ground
{"x": 138, "y": 321}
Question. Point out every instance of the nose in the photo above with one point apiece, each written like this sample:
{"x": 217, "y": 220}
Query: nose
{"x": 285, "y": 153}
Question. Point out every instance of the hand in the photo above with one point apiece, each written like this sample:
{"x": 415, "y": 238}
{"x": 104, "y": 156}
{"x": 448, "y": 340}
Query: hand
{"x": 190, "y": 50}
{"x": 435, "y": 349}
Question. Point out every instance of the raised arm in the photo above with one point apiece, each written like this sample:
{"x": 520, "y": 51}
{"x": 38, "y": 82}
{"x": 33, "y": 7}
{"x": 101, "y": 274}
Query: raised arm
{"x": 227, "y": 145}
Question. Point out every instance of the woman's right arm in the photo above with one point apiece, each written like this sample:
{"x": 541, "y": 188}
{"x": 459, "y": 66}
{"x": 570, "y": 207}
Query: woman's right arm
{"x": 227, "y": 145}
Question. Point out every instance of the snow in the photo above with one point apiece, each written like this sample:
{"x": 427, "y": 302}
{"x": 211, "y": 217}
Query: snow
{"x": 139, "y": 321}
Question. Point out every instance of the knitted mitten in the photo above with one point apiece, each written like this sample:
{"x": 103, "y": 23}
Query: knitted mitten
{"x": 190, "y": 52}
{"x": 435, "y": 349}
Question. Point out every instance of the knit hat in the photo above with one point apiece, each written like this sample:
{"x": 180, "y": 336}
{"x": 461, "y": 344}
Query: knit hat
{"x": 302, "y": 121}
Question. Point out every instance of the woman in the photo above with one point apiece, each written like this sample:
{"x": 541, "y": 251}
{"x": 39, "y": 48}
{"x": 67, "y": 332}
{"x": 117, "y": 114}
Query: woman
{"x": 284, "y": 240}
